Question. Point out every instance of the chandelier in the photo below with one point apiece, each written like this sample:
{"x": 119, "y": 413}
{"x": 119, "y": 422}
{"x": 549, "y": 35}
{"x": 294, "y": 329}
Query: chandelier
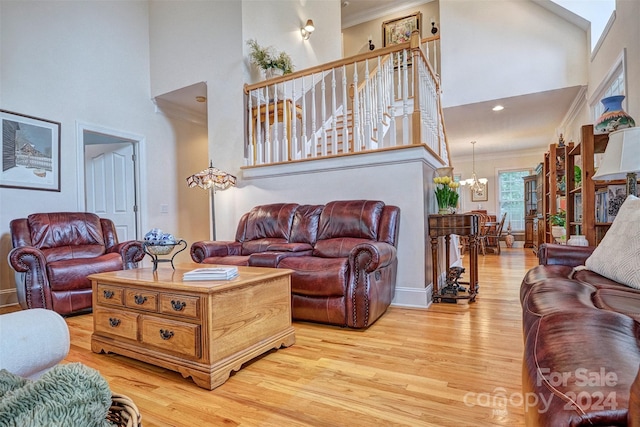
{"x": 475, "y": 184}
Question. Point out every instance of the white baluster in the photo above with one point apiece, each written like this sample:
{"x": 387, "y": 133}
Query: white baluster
{"x": 334, "y": 113}
{"x": 392, "y": 102}
{"x": 367, "y": 106}
{"x": 356, "y": 111}
{"x": 380, "y": 77}
{"x": 323, "y": 113}
{"x": 294, "y": 117}
{"x": 305, "y": 139}
{"x": 345, "y": 112}
{"x": 405, "y": 99}
{"x": 314, "y": 147}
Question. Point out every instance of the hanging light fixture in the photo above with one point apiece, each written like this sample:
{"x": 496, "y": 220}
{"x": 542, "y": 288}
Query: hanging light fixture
{"x": 475, "y": 184}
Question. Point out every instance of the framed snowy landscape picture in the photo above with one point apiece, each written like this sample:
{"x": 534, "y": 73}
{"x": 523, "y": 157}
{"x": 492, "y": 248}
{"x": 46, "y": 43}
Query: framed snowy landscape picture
{"x": 30, "y": 152}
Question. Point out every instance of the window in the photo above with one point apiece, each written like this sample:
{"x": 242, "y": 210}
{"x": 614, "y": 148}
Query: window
{"x": 613, "y": 84}
{"x": 511, "y": 197}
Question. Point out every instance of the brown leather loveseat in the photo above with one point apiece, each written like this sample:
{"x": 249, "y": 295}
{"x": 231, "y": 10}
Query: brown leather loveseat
{"x": 582, "y": 348}
{"x": 53, "y": 253}
{"x": 343, "y": 256}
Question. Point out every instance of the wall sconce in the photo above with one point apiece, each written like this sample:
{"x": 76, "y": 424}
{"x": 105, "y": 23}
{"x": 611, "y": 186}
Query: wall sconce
{"x": 307, "y": 29}
{"x": 371, "y": 45}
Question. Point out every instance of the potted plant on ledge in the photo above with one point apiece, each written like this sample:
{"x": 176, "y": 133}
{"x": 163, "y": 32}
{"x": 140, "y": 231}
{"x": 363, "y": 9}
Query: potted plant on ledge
{"x": 273, "y": 63}
{"x": 558, "y": 223}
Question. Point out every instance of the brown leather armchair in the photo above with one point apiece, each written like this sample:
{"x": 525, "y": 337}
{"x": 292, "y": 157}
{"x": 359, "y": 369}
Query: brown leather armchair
{"x": 53, "y": 253}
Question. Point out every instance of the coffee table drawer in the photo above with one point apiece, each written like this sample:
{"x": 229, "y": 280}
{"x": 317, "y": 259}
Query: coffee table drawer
{"x": 114, "y": 322}
{"x": 141, "y": 300}
{"x": 170, "y": 335}
{"x": 110, "y": 295}
{"x": 180, "y": 305}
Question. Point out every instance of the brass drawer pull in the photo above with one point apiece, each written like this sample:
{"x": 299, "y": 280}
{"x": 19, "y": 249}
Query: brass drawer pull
{"x": 165, "y": 335}
{"x": 114, "y": 322}
{"x": 139, "y": 299}
{"x": 178, "y": 305}
{"x": 107, "y": 294}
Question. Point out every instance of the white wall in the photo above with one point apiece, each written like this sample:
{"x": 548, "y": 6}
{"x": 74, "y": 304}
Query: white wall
{"x": 355, "y": 39}
{"x": 623, "y": 34}
{"x": 497, "y": 49}
{"x": 278, "y": 23}
{"x": 89, "y": 62}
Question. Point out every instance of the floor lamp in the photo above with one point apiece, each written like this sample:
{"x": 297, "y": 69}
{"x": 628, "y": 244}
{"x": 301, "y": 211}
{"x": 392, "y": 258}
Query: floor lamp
{"x": 212, "y": 179}
{"x": 621, "y": 158}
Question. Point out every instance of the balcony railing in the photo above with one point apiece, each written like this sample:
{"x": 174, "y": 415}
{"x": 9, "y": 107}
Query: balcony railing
{"x": 374, "y": 101}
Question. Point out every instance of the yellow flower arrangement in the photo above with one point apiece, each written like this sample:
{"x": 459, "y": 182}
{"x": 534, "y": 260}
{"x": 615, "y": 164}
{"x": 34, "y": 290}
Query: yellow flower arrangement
{"x": 446, "y": 192}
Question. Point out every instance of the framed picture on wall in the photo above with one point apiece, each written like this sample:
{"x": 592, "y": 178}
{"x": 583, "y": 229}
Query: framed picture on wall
{"x": 30, "y": 152}
{"x": 480, "y": 195}
{"x": 396, "y": 31}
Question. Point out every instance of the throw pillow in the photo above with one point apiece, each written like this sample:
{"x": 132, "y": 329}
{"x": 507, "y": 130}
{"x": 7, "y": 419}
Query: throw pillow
{"x": 616, "y": 257}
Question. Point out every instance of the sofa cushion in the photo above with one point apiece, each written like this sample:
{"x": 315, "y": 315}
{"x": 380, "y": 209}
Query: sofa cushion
{"x": 619, "y": 300}
{"x": 351, "y": 218}
{"x": 581, "y": 364}
{"x": 305, "y": 224}
{"x": 616, "y": 257}
{"x": 51, "y": 230}
{"x": 314, "y": 276}
{"x": 336, "y": 248}
{"x": 270, "y": 221}
{"x": 261, "y": 245}
{"x": 71, "y": 274}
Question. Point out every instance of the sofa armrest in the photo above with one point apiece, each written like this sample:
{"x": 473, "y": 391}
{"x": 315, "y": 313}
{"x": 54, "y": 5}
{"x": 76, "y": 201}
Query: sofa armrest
{"x": 378, "y": 254}
{"x": 572, "y": 256}
{"x": 32, "y": 263}
{"x": 130, "y": 251}
{"x": 371, "y": 286}
{"x": 207, "y": 248}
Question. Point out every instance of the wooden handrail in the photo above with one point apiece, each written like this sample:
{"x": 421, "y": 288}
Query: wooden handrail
{"x": 340, "y": 62}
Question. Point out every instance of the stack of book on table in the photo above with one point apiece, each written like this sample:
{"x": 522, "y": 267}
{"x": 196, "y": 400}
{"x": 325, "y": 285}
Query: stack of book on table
{"x": 211, "y": 273}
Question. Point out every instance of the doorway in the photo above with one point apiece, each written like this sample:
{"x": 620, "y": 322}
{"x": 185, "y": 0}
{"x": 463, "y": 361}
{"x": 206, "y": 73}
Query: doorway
{"x": 109, "y": 177}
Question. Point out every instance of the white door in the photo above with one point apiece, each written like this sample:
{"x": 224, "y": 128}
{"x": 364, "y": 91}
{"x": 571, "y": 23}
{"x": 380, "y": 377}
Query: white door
{"x": 110, "y": 185}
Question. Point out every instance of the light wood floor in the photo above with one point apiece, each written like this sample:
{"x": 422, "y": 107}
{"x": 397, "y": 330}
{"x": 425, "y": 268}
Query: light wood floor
{"x": 449, "y": 365}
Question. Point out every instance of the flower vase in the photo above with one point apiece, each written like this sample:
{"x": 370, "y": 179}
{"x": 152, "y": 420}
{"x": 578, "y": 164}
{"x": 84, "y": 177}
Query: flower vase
{"x": 443, "y": 211}
{"x": 274, "y": 89}
{"x": 614, "y": 117}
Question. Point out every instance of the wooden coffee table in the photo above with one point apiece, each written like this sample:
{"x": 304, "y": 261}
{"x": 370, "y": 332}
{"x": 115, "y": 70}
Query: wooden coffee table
{"x": 202, "y": 329}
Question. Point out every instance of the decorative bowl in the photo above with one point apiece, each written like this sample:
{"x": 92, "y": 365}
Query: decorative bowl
{"x": 160, "y": 248}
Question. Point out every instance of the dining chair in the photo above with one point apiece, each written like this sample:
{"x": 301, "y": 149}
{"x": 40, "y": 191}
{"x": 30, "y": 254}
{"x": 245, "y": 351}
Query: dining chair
{"x": 493, "y": 235}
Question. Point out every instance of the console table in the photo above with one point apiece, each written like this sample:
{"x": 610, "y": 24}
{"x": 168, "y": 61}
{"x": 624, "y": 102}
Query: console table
{"x": 444, "y": 226}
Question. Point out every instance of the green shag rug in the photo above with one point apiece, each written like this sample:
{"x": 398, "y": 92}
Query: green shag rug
{"x": 70, "y": 395}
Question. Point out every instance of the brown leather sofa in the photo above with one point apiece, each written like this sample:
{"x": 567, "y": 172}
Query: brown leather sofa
{"x": 53, "y": 253}
{"x": 582, "y": 352}
{"x": 343, "y": 256}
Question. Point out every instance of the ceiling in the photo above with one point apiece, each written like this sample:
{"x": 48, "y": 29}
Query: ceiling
{"x": 528, "y": 122}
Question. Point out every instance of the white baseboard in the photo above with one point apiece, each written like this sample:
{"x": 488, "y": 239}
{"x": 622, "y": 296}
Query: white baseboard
{"x": 413, "y": 297}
